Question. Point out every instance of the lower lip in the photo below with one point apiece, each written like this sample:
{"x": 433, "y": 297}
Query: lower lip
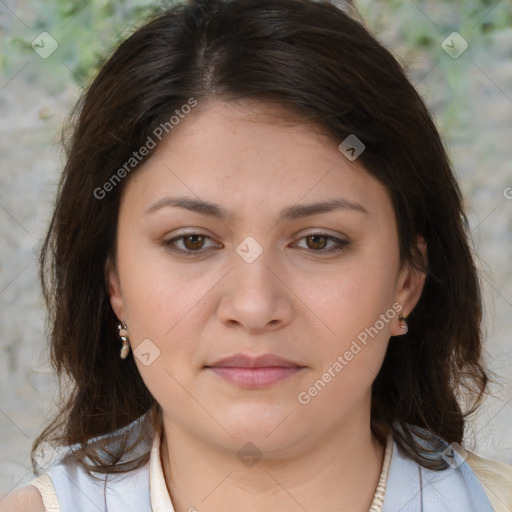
{"x": 255, "y": 377}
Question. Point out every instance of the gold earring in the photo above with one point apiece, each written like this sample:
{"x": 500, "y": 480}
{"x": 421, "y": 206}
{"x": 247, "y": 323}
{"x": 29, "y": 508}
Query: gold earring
{"x": 403, "y": 324}
{"x": 123, "y": 335}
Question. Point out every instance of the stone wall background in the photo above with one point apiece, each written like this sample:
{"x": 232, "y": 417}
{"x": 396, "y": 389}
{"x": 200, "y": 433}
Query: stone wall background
{"x": 470, "y": 97}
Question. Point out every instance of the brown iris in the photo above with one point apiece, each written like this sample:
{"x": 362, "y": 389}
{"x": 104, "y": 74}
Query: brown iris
{"x": 316, "y": 237}
{"x": 196, "y": 242}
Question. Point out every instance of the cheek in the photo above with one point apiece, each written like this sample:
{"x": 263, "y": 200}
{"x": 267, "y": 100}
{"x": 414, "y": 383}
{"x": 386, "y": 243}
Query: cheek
{"x": 156, "y": 292}
{"x": 357, "y": 310}
{"x": 352, "y": 299}
{"x": 358, "y": 314}
{"x": 163, "y": 304}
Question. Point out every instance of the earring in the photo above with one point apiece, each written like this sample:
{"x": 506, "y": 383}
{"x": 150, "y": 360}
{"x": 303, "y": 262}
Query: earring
{"x": 403, "y": 324}
{"x": 123, "y": 335}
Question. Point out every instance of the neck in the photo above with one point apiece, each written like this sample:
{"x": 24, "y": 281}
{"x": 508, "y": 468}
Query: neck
{"x": 339, "y": 473}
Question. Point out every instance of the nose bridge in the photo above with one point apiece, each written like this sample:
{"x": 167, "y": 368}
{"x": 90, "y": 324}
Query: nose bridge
{"x": 253, "y": 265}
{"x": 255, "y": 297}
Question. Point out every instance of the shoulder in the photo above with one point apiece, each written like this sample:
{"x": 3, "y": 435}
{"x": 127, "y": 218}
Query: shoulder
{"x": 490, "y": 469}
{"x": 468, "y": 483}
{"x": 24, "y": 499}
{"x": 496, "y": 479}
{"x": 74, "y": 488}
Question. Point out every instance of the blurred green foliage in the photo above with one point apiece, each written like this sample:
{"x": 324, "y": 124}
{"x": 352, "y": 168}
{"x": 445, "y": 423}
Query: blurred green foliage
{"x": 98, "y": 27}
{"x": 88, "y": 31}
{"x": 417, "y": 28}
{"x": 423, "y": 21}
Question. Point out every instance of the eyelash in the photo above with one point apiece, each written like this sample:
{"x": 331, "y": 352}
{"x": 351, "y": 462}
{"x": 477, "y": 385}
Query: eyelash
{"x": 341, "y": 244}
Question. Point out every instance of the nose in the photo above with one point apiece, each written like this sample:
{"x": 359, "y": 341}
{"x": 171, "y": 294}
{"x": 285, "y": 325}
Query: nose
{"x": 255, "y": 296}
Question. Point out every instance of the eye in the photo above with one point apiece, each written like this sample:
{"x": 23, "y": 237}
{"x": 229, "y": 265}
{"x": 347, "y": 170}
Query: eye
{"x": 317, "y": 242}
{"x": 192, "y": 243}
{"x": 195, "y": 242}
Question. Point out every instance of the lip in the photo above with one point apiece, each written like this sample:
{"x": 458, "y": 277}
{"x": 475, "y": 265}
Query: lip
{"x": 248, "y": 361}
{"x": 254, "y": 371}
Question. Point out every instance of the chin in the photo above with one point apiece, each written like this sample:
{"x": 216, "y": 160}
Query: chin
{"x": 266, "y": 424}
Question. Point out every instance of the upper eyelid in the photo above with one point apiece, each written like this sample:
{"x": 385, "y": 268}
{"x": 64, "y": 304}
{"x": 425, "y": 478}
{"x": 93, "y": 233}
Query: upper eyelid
{"x": 312, "y": 233}
{"x": 330, "y": 237}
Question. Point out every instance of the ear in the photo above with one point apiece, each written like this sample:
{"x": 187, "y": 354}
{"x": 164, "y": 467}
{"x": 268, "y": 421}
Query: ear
{"x": 410, "y": 286}
{"x": 114, "y": 289}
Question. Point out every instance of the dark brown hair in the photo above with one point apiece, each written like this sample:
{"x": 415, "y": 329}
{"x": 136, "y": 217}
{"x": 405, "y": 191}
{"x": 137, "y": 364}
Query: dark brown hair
{"x": 325, "y": 68}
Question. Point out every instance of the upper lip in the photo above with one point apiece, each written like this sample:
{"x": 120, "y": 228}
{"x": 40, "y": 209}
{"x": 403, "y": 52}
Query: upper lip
{"x": 248, "y": 361}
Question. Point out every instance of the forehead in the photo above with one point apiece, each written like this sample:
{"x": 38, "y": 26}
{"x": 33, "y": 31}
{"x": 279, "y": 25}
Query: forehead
{"x": 249, "y": 155}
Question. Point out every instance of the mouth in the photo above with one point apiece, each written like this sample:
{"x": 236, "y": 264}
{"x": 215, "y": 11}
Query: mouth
{"x": 254, "y": 372}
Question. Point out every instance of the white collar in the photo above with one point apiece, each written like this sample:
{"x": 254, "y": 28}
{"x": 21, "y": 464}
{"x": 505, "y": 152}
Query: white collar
{"x": 158, "y": 493}
{"x": 161, "y": 500}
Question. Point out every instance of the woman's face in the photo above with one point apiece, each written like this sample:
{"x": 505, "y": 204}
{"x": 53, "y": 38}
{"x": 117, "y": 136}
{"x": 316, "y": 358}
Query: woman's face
{"x": 257, "y": 273}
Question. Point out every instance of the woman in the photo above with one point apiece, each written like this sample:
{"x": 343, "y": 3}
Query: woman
{"x": 262, "y": 292}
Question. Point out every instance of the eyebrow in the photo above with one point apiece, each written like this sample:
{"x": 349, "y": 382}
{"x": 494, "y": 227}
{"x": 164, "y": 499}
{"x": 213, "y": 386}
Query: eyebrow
{"x": 289, "y": 213}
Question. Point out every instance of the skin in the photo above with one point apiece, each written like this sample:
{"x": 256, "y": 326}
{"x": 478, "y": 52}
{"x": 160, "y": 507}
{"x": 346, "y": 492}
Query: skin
{"x": 293, "y": 301}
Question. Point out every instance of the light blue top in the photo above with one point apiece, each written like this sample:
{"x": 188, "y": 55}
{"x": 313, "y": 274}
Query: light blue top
{"x": 413, "y": 488}
{"x": 410, "y": 487}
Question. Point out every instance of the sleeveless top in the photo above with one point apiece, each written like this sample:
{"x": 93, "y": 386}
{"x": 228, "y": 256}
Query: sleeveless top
{"x": 471, "y": 484}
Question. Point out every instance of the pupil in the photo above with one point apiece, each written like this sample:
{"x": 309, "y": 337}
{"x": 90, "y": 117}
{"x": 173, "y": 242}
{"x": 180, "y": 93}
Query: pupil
{"x": 194, "y": 242}
{"x": 316, "y": 237}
